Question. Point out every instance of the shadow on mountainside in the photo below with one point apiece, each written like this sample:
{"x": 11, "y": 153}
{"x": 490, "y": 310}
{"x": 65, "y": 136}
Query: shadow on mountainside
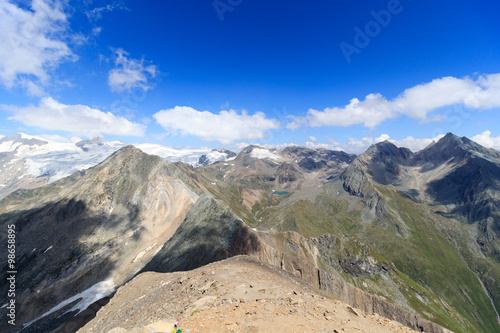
{"x": 62, "y": 249}
{"x": 472, "y": 192}
{"x": 210, "y": 232}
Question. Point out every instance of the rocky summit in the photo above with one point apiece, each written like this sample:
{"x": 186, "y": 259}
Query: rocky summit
{"x": 266, "y": 240}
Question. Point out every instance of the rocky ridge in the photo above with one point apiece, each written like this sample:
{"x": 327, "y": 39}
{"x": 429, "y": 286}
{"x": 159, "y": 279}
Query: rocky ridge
{"x": 239, "y": 294}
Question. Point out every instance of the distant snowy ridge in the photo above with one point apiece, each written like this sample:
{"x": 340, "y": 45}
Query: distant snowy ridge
{"x": 54, "y": 159}
{"x": 36, "y": 156}
{"x": 188, "y": 155}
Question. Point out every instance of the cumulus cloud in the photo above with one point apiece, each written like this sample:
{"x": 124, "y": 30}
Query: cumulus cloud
{"x": 32, "y": 43}
{"x": 416, "y": 144}
{"x": 79, "y": 119}
{"x": 359, "y": 146}
{"x": 416, "y": 102}
{"x": 225, "y": 127}
{"x": 129, "y": 73}
{"x": 485, "y": 139}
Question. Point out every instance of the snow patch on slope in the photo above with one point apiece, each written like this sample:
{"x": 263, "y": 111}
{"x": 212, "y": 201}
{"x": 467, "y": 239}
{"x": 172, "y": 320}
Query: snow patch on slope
{"x": 86, "y": 297}
{"x": 263, "y": 153}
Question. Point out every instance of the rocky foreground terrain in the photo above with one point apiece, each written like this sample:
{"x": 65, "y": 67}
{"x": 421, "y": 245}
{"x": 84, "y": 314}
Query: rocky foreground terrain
{"x": 239, "y": 294}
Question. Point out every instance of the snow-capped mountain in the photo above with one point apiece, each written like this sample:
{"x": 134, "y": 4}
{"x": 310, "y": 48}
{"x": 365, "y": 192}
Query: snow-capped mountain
{"x": 193, "y": 156}
{"x": 30, "y": 161}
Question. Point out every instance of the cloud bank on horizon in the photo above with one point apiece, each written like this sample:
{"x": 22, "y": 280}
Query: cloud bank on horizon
{"x": 416, "y": 102}
{"x": 229, "y": 127}
{"x": 48, "y": 46}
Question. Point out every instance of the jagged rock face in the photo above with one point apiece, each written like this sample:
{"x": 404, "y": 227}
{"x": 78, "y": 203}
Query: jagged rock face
{"x": 84, "y": 144}
{"x": 229, "y": 154}
{"x": 355, "y": 180}
{"x": 472, "y": 191}
{"x": 382, "y": 163}
{"x": 101, "y": 225}
{"x": 203, "y": 161}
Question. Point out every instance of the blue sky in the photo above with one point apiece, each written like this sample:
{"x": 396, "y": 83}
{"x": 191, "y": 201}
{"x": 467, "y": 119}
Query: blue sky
{"x": 334, "y": 74}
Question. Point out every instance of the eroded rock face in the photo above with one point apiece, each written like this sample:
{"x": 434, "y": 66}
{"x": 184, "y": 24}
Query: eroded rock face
{"x": 210, "y": 232}
{"x": 354, "y": 180}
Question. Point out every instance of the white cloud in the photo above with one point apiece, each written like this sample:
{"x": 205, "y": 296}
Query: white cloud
{"x": 129, "y": 73}
{"x": 485, "y": 139}
{"x": 416, "y": 144}
{"x": 79, "y": 119}
{"x": 359, "y": 146}
{"x": 54, "y": 137}
{"x": 32, "y": 43}
{"x": 416, "y": 102}
{"x": 225, "y": 127}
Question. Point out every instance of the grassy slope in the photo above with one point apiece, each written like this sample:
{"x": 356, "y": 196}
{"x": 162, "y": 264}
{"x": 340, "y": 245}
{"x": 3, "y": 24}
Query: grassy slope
{"x": 429, "y": 258}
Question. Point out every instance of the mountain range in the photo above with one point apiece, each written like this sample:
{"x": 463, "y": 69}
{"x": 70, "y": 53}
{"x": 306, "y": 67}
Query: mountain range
{"x": 29, "y": 161}
{"x": 409, "y": 236}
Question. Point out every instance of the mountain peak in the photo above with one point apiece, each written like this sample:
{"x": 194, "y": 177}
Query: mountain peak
{"x": 388, "y": 149}
{"x": 86, "y": 144}
{"x": 129, "y": 150}
{"x": 454, "y": 148}
{"x": 128, "y": 154}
